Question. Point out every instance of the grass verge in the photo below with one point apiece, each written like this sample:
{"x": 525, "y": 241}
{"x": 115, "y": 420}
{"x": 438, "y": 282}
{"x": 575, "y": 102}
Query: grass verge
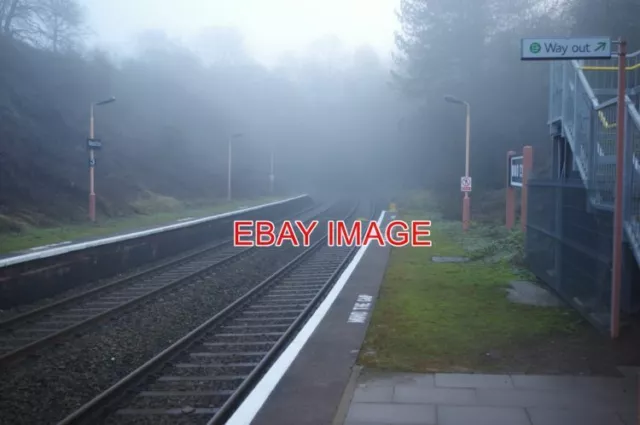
{"x": 455, "y": 316}
{"x": 152, "y": 215}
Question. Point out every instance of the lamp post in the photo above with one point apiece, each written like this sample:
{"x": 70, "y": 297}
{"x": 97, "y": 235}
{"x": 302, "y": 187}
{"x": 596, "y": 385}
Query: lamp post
{"x": 466, "y": 201}
{"x": 92, "y": 160}
{"x": 231, "y": 137}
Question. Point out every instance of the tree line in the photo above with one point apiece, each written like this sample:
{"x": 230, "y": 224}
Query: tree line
{"x": 471, "y": 50}
{"x": 336, "y": 117}
{"x": 326, "y": 114}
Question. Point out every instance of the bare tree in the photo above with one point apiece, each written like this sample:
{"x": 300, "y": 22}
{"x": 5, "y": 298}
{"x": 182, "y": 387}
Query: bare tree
{"x": 55, "y": 24}
{"x": 7, "y": 12}
{"x": 62, "y": 23}
{"x": 20, "y": 19}
{"x": 11, "y": 11}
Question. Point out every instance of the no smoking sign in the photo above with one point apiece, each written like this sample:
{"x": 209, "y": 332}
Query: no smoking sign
{"x": 465, "y": 184}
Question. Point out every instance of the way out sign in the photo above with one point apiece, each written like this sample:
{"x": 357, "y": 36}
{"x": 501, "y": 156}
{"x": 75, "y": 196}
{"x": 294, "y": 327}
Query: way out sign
{"x": 565, "y": 48}
{"x": 465, "y": 184}
{"x": 516, "y": 171}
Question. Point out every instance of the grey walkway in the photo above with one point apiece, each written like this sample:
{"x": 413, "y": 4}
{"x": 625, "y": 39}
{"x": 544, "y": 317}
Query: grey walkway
{"x": 473, "y": 399}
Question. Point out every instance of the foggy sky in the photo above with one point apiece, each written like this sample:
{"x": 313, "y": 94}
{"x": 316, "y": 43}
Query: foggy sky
{"x": 271, "y": 27}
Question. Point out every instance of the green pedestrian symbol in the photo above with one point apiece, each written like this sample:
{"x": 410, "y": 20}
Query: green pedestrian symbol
{"x": 534, "y": 48}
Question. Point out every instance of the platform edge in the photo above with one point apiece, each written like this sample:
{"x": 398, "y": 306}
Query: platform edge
{"x": 347, "y": 395}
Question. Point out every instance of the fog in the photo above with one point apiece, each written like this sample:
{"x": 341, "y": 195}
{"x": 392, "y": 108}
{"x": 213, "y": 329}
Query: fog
{"x": 345, "y": 95}
{"x": 269, "y": 28}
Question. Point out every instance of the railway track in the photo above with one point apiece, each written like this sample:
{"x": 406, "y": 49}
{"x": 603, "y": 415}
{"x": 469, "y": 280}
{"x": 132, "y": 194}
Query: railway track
{"x": 204, "y": 376}
{"x": 32, "y": 330}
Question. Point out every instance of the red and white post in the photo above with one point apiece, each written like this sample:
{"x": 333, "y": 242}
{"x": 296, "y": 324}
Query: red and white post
{"x": 465, "y": 182}
{"x": 616, "y": 278}
{"x": 527, "y": 166}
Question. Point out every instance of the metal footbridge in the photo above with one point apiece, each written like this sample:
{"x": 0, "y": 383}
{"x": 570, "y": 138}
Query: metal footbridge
{"x": 583, "y": 110}
{"x": 571, "y": 216}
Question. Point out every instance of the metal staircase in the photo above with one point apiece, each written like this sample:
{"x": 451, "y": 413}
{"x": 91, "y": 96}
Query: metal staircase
{"x": 583, "y": 110}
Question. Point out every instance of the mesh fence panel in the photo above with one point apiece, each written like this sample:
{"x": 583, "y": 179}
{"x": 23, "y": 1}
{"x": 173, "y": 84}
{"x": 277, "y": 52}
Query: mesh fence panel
{"x": 568, "y": 246}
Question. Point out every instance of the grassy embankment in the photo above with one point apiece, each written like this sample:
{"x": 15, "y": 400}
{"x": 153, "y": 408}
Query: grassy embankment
{"x": 154, "y": 212}
{"x": 455, "y": 316}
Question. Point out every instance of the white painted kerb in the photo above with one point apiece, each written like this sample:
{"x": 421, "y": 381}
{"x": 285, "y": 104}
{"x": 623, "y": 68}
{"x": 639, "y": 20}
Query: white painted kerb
{"x": 254, "y": 401}
{"x": 90, "y": 244}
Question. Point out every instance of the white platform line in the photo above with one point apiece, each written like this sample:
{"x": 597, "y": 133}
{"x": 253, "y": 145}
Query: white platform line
{"x": 255, "y": 400}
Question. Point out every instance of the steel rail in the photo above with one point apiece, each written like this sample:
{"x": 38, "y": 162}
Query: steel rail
{"x": 23, "y": 350}
{"x": 234, "y": 401}
{"x": 98, "y": 406}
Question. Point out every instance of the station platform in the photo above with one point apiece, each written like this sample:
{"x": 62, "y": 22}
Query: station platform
{"x": 316, "y": 380}
{"x": 63, "y": 247}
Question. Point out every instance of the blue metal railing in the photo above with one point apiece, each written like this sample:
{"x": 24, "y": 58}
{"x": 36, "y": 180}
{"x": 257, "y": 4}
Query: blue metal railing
{"x": 578, "y": 112}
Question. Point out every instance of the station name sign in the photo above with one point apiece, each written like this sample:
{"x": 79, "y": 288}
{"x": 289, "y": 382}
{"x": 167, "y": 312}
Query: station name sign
{"x": 94, "y": 144}
{"x": 516, "y": 171}
{"x": 566, "y": 48}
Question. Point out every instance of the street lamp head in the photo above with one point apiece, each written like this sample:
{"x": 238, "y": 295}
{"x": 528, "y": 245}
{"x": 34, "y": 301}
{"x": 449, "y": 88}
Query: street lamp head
{"x": 452, "y": 99}
{"x": 104, "y": 102}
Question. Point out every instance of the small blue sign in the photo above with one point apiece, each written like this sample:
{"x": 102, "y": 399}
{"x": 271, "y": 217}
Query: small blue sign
{"x": 92, "y": 162}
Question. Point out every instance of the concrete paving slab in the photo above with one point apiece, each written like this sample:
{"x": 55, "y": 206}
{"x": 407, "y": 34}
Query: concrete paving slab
{"x": 452, "y": 396}
{"x": 373, "y": 394}
{"x": 481, "y": 415}
{"x": 400, "y": 414}
{"x": 541, "y": 382}
{"x": 475, "y": 399}
{"x": 390, "y": 379}
{"x": 541, "y": 416}
{"x": 462, "y": 380}
{"x": 552, "y": 399}
{"x": 575, "y": 383}
{"x": 628, "y": 385}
